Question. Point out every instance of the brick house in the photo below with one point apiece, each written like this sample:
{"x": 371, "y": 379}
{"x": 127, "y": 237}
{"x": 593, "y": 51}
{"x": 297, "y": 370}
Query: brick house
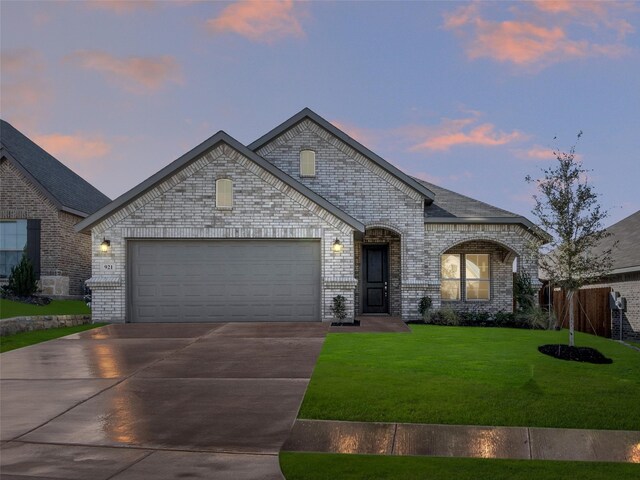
{"x": 625, "y": 274}
{"x": 41, "y": 201}
{"x": 276, "y": 229}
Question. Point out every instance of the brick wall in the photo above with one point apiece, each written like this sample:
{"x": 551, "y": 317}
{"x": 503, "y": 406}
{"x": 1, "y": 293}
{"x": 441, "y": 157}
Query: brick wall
{"x": 628, "y": 284}
{"x": 367, "y": 192}
{"x": 63, "y": 252}
{"x": 183, "y": 206}
{"x": 503, "y": 242}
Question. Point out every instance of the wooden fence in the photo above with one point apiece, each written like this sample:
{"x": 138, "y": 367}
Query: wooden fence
{"x": 590, "y": 309}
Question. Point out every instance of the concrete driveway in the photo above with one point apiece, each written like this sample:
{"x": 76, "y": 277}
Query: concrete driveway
{"x": 160, "y": 401}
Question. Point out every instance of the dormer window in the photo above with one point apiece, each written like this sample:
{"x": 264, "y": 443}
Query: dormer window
{"x": 307, "y": 163}
{"x": 224, "y": 194}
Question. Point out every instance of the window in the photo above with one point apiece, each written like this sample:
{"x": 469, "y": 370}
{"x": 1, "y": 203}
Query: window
{"x": 224, "y": 193}
{"x": 450, "y": 272}
{"x": 475, "y": 277}
{"x": 307, "y": 163}
{"x": 13, "y": 243}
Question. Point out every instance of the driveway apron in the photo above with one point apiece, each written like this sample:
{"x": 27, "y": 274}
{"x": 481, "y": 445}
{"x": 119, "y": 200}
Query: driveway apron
{"x": 158, "y": 401}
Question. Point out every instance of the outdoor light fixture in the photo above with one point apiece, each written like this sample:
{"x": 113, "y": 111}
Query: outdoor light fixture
{"x": 337, "y": 246}
{"x": 104, "y": 246}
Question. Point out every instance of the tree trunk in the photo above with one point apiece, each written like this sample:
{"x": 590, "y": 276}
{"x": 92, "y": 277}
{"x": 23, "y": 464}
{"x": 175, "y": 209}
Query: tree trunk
{"x": 571, "y": 323}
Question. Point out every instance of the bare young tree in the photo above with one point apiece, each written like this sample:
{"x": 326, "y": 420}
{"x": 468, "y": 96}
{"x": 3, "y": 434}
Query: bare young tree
{"x": 567, "y": 207}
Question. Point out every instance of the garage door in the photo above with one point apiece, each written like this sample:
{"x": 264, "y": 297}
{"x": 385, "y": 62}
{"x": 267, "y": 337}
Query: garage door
{"x": 224, "y": 280}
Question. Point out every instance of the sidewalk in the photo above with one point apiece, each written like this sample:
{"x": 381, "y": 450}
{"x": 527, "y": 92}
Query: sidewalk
{"x": 464, "y": 441}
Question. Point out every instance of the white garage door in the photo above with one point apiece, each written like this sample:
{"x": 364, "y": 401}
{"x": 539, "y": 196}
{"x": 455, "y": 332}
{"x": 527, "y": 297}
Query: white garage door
{"x": 224, "y": 280}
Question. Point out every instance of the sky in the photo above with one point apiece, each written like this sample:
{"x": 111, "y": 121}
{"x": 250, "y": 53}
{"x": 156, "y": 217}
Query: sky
{"x": 472, "y": 96}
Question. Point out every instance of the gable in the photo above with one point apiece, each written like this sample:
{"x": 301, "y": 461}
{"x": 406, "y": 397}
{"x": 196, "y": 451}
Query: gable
{"x": 343, "y": 142}
{"x": 63, "y": 186}
{"x": 189, "y": 165}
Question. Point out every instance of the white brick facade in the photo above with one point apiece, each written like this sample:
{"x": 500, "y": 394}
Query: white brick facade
{"x": 183, "y": 206}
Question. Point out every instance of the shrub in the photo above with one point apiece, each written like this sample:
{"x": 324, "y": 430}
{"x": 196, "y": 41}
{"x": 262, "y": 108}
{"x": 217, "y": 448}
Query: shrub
{"x": 424, "y": 306}
{"x": 523, "y": 292}
{"x": 444, "y": 316}
{"x": 22, "y": 280}
{"x": 339, "y": 307}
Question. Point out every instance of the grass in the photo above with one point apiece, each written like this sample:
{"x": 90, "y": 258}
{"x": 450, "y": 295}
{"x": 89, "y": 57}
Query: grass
{"x": 316, "y": 466}
{"x": 635, "y": 344}
{"x": 10, "y": 308}
{"x": 473, "y": 376}
{"x": 25, "y": 339}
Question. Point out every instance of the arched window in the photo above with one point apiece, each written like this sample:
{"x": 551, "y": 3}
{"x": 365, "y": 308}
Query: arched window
{"x": 307, "y": 163}
{"x": 224, "y": 193}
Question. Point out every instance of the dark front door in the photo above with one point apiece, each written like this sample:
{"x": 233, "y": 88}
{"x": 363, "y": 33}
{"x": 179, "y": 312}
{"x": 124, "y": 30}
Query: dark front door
{"x": 375, "y": 279}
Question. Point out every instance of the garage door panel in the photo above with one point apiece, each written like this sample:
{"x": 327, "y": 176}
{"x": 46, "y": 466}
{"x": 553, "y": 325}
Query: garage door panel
{"x": 224, "y": 280}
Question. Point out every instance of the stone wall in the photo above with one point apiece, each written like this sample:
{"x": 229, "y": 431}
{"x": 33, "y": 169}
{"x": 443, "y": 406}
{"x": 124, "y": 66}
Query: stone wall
{"x": 183, "y": 206}
{"x": 11, "y": 326}
{"x": 628, "y": 284}
{"x": 503, "y": 242}
{"x": 65, "y": 256}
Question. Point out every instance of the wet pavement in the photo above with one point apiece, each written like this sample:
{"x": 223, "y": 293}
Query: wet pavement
{"x": 464, "y": 441}
{"x": 155, "y": 401}
{"x": 374, "y": 324}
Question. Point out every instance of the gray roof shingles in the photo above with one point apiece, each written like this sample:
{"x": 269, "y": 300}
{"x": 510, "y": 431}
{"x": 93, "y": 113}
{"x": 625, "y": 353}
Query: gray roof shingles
{"x": 67, "y": 188}
{"x": 626, "y": 254}
{"x": 448, "y": 204}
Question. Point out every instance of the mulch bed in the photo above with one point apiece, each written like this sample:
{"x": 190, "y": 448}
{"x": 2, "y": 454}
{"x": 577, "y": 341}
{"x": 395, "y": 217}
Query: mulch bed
{"x": 33, "y": 300}
{"x": 576, "y": 354}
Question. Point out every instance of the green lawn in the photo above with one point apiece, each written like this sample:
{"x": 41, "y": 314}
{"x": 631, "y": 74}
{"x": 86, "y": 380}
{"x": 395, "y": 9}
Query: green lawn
{"x": 25, "y": 339}
{"x": 317, "y": 466}
{"x": 473, "y": 376}
{"x": 10, "y": 309}
{"x": 635, "y": 344}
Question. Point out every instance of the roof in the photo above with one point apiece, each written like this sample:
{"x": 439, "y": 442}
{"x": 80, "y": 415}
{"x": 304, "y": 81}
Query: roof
{"x": 626, "y": 254}
{"x": 203, "y": 148}
{"x": 452, "y": 207}
{"x": 358, "y": 147}
{"x": 66, "y": 189}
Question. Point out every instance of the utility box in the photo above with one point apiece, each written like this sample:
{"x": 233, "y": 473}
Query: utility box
{"x": 616, "y": 302}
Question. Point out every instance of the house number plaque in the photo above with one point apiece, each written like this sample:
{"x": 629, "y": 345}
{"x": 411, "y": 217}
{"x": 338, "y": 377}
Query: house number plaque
{"x": 108, "y": 267}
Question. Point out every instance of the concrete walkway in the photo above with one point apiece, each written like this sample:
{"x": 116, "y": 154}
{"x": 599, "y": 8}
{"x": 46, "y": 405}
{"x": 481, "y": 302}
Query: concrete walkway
{"x": 161, "y": 401}
{"x": 464, "y": 441}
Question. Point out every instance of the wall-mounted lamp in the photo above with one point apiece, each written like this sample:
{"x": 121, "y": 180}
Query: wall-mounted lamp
{"x": 104, "y": 246}
{"x": 337, "y": 246}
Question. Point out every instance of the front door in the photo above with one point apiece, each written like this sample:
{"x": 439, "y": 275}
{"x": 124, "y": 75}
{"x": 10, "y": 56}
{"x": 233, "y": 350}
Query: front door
{"x": 375, "y": 279}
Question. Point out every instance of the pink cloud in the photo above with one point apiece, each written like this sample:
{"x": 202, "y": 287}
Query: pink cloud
{"x": 535, "y": 153}
{"x": 25, "y": 90}
{"x": 121, "y": 7}
{"x": 76, "y": 148}
{"x": 367, "y": 137}
{"x": 542, "y": 33}
{"x": 258, "y": 20}
{"x": 451, "y": 133}
{"x": 135, "y": 74}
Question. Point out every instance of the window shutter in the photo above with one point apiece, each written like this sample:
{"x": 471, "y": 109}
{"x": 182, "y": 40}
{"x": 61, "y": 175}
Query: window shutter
{"x": 33, "y": 244}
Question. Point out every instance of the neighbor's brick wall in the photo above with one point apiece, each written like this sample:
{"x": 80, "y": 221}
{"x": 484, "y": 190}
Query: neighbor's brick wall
{"x": 628, "y": 284}
{"x": 367, "y": 192}
{"x": 496, "y": 240}
{"x": 63, "y": 252}
{"x": 183, "y": 206}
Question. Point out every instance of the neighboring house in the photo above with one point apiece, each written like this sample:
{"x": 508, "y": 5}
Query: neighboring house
{"x": 273, "y": 231}
{"x": 41, "y": 201}
{"x": 625, "y": 274}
